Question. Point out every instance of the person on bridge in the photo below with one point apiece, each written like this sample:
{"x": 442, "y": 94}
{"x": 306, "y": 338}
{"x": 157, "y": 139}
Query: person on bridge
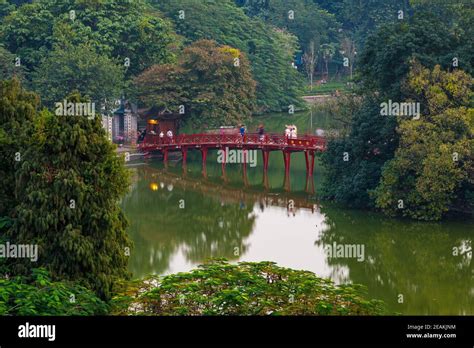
{"x": 169, "y": 134}
{"x": 242, "y": 131}
{"x": 162, "y": 135}
{"x": 292, "y": 132}
{"x": 261, "y": 132}
{"x": 295, "y": 132}
{"x": 287, "y": 131}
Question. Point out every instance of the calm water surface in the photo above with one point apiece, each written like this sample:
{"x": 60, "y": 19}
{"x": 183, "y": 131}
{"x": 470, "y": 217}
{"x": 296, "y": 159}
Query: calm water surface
{"x": 245, "y": 220}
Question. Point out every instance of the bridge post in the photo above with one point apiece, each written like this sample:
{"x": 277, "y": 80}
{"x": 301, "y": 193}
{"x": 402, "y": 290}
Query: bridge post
{"x": 309, "y": 187}
{"x": 224, "y": 162}
{"x": 306, "y": 157}
{"x": 311, "y": 171}
{"x": 244, "y": 166}
{"x": 287, "y": 183}
{"x": 184, "y": 151}
{"x": 266, "y": 155}
{"x": 309, "y": 162}
{"x": 204, "y": 159}
{"x": 287, "y": 159}
{"x": 165, "y": 156}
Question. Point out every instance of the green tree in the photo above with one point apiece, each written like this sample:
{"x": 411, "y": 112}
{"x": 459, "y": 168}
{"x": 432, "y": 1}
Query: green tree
{"x": 248, "y": 288}
{"x": 68, "y": 186}
{"x": 353, "y": 162}
{"x": 17, "y": 111}
{"x": 363, "y": 18}
{"x": 213, "y": 82}
{"x": 269, "y": 50}
{"x": 163, "y": 86}
{"x": 434, "y": 164}
{"x": 5, "y": 8}
{"x": 381, "y": 74}
{"x": 223, "y": 91}
{"x": 327, "y": 53}
{"x": 38, "y": 295}
{"x": 310, "y": 59}
{"x": 303, "y": 18}
{"x": 8, "y": 69}
{"x": 119, "y": 29}
{"x": 430, "y": 37}
{"x": 79, "y": 68}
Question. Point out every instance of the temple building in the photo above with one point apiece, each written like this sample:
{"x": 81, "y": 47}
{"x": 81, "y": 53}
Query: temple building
{"x": 158, "y": 120}
{"x": 122, "y": 126}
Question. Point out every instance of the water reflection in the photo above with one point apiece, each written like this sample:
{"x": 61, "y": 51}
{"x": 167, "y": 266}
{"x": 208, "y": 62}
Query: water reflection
{"x": 180, "y": 221}
{"x": 427, "y": 263}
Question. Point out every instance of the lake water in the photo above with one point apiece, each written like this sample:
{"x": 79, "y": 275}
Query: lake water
{"x": 179, "y": 219}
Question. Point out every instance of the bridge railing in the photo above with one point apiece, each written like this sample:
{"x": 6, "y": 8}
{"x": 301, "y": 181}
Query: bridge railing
{"x": 307, "y": 141}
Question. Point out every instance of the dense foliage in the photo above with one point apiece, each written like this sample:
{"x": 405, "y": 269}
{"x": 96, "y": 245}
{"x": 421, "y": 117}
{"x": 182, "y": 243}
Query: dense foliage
{"x": 269, "y": 50}
{"x": 304, "y": 19}
{"x": 17, "y": 112}
{"x": 383, "y": 71}
{"x": 67, "y": 189}
{"x": 117, "y": 29}
{"x": 433, "y": 169}
{"x": 362, "y": 18}
{"x": 214, "y": 84}
{"x": 7, "y": 66}
{"x": 354, "y": 162}
{"x": 430, "y": 37}
{"x": 38, "y": 295}
{"x": 220, "y": 288}
{"x": 79, "y": 68}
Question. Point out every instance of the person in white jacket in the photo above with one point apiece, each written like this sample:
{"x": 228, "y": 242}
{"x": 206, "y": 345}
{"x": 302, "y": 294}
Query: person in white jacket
{"x": 169, "y": 134}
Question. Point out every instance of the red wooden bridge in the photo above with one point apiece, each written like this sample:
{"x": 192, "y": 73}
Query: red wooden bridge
{"x": 269, "y": 142}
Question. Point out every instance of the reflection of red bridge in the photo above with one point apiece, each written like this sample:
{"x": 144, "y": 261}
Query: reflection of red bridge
{"x": 267, "y": 143}
{"x": 226, "y": 193}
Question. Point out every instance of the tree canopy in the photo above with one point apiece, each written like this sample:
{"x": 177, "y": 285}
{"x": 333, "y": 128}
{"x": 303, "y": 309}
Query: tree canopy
{"x": 68, "y": 185}
{"x": 119, "y": 29}
{"x": 248, "y": 288}
{"x": 354, "y": 162}
{"x": 79, "y": 68}
{"x": 304, "y": 19}
{"x": 433, "y": 168}
{"x": 213, "y": 84}
{"x": 270, "y": 51}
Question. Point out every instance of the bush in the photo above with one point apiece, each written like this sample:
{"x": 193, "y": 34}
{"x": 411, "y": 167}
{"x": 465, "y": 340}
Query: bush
{"x": 38, "y": 295}
{"x": 220, "y": 288}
